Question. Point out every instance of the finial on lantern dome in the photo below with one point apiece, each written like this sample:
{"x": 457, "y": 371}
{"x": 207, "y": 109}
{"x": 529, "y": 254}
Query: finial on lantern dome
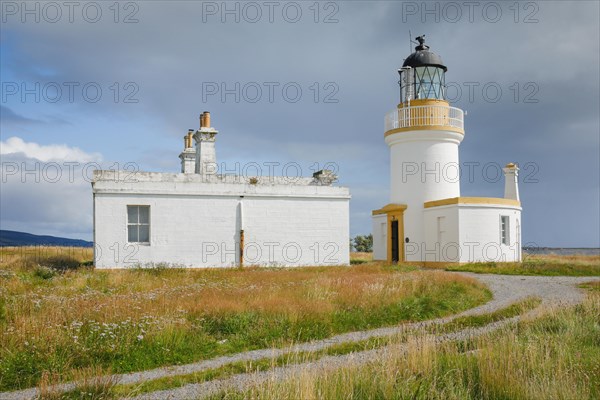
{"x": 422, "y": 45}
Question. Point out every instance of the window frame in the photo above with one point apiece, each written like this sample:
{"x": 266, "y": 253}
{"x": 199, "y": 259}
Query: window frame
{"x": 505, "y": 230}
{"x": 138, "y": 223}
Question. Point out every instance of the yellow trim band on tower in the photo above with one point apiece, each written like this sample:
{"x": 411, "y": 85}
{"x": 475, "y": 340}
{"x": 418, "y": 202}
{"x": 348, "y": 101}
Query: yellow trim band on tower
{"x": 472, "y": 200}
{"x": 425, "y": 128}
{"x": 424, "y": 102}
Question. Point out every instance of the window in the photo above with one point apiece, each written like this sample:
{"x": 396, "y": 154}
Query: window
{"x": 138, "y": 224}
{"x": 504, "y": 239}
{"x": 441, "y": 225}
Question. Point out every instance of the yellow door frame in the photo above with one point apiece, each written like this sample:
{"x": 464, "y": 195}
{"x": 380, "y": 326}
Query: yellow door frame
{"x": 394, "y": 212}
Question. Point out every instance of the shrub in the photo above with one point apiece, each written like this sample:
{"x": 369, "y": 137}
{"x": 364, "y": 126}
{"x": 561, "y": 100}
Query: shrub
{"x": 363, "y": 244}
{"x": 62, "y": 263}
{"x": 43, "y": 272}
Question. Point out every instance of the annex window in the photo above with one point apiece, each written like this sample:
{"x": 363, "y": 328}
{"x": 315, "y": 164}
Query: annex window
{"x": 138, "y": 224}
{"x": 504, "y": 239}
{"x": 441, "y": 228}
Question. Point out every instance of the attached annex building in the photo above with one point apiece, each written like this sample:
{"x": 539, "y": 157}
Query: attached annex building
{"x": 199, "y": 218}
{"x": 426, "y": 219}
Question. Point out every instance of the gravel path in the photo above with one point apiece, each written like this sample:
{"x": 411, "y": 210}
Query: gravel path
{"x": 245, "y": 381}
{"x": 506, "y": 289}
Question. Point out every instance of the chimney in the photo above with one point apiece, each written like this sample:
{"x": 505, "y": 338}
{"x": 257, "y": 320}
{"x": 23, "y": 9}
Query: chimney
{"x": 206, "y": 158}
{"x": 188, "y": 142}
{"x": 188, "y": 155}
{"x": 205, "y": 120}
{"x": 511, "y": 181}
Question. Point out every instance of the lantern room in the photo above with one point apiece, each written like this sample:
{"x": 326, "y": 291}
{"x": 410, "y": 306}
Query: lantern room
{"x": 422, "y": 75}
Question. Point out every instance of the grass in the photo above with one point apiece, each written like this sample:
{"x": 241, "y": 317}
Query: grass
{"x": 594, "y": 286}
{"x": 360, "y": 258}
{"x": 120, "y": 391}
{"x": 54, "y": 325}
{"x": 551, "y": 355}
{"x": 547, "y": 265}
{"x": 476, "y": 321}
{"x": 92, "y": 385}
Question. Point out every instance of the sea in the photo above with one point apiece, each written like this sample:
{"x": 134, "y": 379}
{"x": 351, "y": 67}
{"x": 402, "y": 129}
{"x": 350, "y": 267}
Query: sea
{"x": 564, "y": 251}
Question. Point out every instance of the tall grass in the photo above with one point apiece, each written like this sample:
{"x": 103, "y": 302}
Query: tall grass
{"x": 553, "y": 355}
{"x": 547, "y": 265}
{"x": 132, "y": 320}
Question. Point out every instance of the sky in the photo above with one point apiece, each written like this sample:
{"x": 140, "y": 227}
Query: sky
{"x": 294, "y": 87}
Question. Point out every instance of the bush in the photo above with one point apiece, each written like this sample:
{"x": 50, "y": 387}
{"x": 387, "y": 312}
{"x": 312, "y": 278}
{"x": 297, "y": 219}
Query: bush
{"x": 363, "y": 244}
{"x": 62, "y": 263}
{"x": 44, "y": 272}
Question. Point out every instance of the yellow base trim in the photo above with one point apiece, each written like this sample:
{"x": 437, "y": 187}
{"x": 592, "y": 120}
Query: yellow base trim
{"x": 425, "y": 128}
{"x": 424, "y": 102}
{"x": 472, "y": 200}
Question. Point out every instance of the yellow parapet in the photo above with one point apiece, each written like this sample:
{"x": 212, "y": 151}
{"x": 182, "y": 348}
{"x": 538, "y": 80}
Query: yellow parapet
{"x": 472, "y": 200}
{"x": 424, "y": 114}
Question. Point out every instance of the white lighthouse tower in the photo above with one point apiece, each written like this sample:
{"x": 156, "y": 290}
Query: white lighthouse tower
{"x": 422, "y": 222}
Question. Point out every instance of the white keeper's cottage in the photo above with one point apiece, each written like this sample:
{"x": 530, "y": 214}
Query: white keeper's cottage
{"x": 199, "y": 218}
{"x": 426, "y": 219}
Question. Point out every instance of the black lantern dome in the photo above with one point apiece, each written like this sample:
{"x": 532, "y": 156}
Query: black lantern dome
{"x": 422, "y": 75}
{"x": 422, "y": 57}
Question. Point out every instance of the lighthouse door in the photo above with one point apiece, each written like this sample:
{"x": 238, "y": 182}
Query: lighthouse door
{"x": 395, "y": 246}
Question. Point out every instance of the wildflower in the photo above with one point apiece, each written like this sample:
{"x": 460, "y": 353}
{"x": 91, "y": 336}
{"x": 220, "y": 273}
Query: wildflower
{"x": 140, "y": 337}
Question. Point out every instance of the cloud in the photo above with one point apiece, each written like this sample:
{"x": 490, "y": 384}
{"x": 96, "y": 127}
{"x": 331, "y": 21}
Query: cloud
{"x": 46, "y": 188}
{"x": 45, "y": 153}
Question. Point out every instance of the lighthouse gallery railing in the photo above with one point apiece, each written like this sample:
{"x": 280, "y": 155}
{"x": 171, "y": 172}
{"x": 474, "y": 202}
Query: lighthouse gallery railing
{"x": 408, "y": 117}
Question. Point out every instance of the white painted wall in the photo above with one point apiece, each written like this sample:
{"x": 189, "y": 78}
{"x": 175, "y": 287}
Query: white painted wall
{"x": 424, "y": 167}
{"x": 479, "y": 232}
{"x": 197, "y": 224}
{"x": 475, "y": 228}
{"x": 471, "y": 233}
{"x": 433, "y": 249}
{"x": 379, "y": 237}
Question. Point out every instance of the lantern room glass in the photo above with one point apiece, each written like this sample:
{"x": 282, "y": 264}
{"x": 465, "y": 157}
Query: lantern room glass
{"x": 428, "y": 82}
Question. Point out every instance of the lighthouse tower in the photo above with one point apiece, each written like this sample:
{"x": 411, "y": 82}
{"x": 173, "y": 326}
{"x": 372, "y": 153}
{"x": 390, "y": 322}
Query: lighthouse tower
{"x": 423, "y": 135}
{"x": 422, "y": 221}
{"x": 426, "y": 219}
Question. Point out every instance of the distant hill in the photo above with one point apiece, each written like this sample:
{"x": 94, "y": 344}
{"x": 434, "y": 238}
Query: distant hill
{"x": 12, "y": 238}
